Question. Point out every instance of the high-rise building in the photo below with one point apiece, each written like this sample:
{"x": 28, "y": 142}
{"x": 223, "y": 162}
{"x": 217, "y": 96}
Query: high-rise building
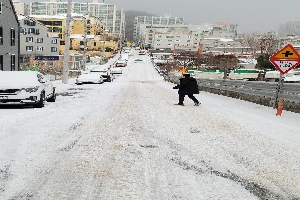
{"x": 21, "y": 8}
{"x": 289, "y": 28}
{"x": 152, "y": 20}
{"x": 112, "y": 18}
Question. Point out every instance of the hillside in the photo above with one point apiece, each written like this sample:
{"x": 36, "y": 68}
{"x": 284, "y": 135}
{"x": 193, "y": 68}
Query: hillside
{"x": 129, "y": 19}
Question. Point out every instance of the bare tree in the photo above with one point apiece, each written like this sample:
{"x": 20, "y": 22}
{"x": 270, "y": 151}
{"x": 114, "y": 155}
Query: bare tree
{"x": 224, "y": 62}
{"x": 249, "y": 41}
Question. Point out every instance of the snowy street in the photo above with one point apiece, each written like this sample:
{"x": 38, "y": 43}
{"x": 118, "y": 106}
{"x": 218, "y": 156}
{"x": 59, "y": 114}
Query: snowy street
{"x": 127, "y": 140}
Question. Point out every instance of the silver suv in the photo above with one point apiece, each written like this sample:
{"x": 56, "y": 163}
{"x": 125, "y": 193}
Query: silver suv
{"x": 25, "y": 87}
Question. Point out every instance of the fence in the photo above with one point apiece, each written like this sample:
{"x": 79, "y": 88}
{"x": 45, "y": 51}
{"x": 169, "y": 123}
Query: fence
{"x": 264, "y": 93}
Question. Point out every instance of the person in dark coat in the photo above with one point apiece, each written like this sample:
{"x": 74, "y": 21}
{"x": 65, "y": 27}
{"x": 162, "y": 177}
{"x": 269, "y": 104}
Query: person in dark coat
{"x": 187, "y": 86}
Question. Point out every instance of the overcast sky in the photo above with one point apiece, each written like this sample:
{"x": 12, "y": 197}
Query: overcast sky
{"x": 250, "y": 15}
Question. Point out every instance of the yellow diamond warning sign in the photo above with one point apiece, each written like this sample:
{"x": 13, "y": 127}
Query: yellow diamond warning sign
{"x": 287, "y": 52}
{"x": 285, "y": 59}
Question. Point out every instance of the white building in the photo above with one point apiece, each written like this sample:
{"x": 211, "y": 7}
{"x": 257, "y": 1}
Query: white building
{"x": 152, "y": 21}
{"x": 108, "y": 13}
{"x": 21, "y": 8}
{"x": 188, "y": 37}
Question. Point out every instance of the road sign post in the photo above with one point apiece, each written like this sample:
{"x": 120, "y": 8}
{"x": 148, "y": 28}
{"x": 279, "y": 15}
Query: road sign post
{"x": 284, "y": 60}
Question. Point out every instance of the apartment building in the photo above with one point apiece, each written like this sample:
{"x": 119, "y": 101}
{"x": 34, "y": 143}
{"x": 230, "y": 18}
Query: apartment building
{"x": 35, "y": 40}
{"x": 107, "y": 13}
{"x": 9, "y": 37}
{"x": 152, "y": 21}
{"x": 189, "y": 37}
{"x": 87, "y": 35}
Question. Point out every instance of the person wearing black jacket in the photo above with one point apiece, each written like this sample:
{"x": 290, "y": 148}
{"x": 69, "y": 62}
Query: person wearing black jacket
{"x": 187, "y": 86}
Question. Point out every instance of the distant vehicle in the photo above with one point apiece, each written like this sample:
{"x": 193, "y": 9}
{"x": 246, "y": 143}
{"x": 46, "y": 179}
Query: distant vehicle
{"x": 25, "y": 88}
{"x": 127, "y": 51}
{"x": 138, "y": 60}
{"x": 142, "y": 52}
{"x": 121, "y": 63}
{"x": 137, "y": 48}
{"x": 105, "y": 73}
{"x": 89, "y": 78}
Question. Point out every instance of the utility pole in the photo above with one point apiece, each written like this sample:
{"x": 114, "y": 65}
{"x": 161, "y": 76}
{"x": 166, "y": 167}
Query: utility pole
{"x": 103, "y": 48}
{"x": 84, "y": 43}
{"x": 67, "y": 45}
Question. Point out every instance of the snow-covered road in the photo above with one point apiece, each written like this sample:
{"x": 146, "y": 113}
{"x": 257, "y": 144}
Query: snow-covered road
{"x": 127, "y": 140}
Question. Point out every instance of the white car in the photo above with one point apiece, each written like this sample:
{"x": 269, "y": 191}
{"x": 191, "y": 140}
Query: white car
{"x": 89, "y": 78}
{"x": 25, "y": 87}
{"x": 105, "y": 73}
{"x": 121, "y": 63}
{"x": 116, "y": 70}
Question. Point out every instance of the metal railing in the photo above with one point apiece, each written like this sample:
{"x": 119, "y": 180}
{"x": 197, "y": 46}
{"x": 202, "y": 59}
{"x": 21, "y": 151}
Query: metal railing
{"x": 288, "y": 91}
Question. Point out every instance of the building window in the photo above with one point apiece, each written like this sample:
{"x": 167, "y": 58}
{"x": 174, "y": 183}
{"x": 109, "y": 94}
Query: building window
{"x": 29, "y": 22}
{"x": 13, "y": 62}
{"x": 1, "y": 35}
{"x": 12, "y": 37}
{"x": 53, "y": 49}
{"x": 29, "y": 39}
{"x": 29, "y": 48}
{"x": 1, "y": 62}
{"x": 53, "y": 41}
{"x": 39, "y": 40}
{"x": 39, "y": 48}
{"x": 23, "y": 31}
{"x": 31, "y": 30}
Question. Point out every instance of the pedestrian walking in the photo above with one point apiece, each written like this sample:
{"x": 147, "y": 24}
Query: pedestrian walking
{"x": 187, "y": 86}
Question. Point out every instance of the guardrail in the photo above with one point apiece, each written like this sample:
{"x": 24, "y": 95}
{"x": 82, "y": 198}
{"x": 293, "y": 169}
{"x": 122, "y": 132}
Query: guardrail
{"x": 264, "y": 93}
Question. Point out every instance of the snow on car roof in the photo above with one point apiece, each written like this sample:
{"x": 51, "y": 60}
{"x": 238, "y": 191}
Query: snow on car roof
{"x": 18, "y": 77}
{"x": 89, "y": 75}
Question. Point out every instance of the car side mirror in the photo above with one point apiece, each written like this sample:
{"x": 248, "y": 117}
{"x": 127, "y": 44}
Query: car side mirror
{"x": 42, "y": 80}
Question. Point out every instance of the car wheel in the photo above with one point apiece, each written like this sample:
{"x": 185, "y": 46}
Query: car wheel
{"x": 53, "y": 97}
{"x": 41, "y": 102}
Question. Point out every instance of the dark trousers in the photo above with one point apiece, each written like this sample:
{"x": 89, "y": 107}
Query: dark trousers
{"x": 191, "y": 96}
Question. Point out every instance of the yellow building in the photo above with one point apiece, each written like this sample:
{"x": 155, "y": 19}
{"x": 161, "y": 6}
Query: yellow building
{"x": 98, "y": 41}
{"x": 56, "y": 25}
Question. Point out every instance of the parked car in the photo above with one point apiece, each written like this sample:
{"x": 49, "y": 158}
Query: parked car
{"x": 89, "y": 78}
{"x": 116, "y": 70}
{"x": 121, "y": 63}
{"x": 25, "y": 88}
{"x": 105, "y": 73}
{"x": 142, "y": 52}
